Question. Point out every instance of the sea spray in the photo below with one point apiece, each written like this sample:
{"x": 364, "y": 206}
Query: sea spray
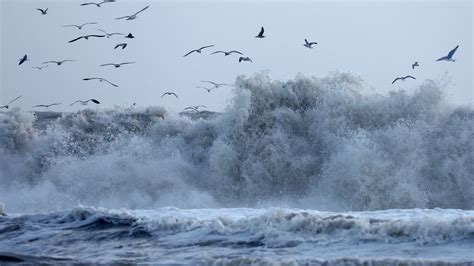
{"x": 320, "y": 143}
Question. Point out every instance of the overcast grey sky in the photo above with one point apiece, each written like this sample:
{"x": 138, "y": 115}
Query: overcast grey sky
{"x": 376, "y": 40}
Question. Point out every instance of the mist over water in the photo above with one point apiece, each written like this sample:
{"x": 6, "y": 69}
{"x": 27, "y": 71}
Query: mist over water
{"x": 319, "y": 143}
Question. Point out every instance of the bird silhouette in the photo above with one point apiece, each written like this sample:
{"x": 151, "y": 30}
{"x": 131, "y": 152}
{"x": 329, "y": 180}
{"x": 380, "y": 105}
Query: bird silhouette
{"x": 449, "y": 57}
{"x": 198, "y": 50}
{"x": 403, "y": 78}
{"x": 134, "y": 16}
{"x": 260, "y": 34}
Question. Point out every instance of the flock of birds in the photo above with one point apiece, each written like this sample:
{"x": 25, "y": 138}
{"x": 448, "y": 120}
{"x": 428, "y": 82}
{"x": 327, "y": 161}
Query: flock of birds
{"x": 242, "y": 58}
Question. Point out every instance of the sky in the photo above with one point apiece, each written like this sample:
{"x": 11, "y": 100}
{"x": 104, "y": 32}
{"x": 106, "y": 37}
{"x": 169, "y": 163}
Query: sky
{"x": 377, "y": 40}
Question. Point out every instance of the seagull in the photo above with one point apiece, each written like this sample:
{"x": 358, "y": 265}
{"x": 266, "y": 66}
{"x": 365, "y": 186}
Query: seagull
{"x": 79, "y": 27}
{"x": 108, "y": 35}
{"x": 260, "y": 34}
{"x": 216, "y": 85}
{"x": 403, "y": 78}
{"x": 207, "y": 89}
{"x": 87, "y": 37}
{"x": 101, "y": 79}
{"x": 123, "y": 45}
{"x": 46, "y": 105}
{"x": 43, "y": 11}
{"x": 198, "y": 50}
{"x": 98, "y": 4}
{"x": 40, "y": 67}
{"x": 130, "y": 36}
{"x": 8, "y": 105}
{"x": 227, "y": 53}
{"x": 118, "y": 65}
{"x": 85, "y": 102}
{"x": 23, "y": 59}
{"x": 449, "y": 56}
{"x": 309, "y": 44}
{"x": 245, "y": 59}
{"x": 170, "y": 93}
{"x": 58, "y": 62}
{"x": 134, "y": 16}
{"x": 414, "y": 65}
{"x": 195, "y": 108}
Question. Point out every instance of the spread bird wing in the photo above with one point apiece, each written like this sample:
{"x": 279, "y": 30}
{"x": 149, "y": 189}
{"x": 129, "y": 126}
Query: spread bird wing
{"x": 123, "y": 17}
{"x": 395, "y": 80}
{"x": 262, "y": 30}
{"x": 204, "y": 47}
{"x": 115, "y": 85}
{"x": 451, "y": 53}
{"x": 145, "y": 8}
{"x": 410, "y": 77}
{"x": 216, "y": 52}
{"x": 12, "y": 101}
{"x": 211, "y": 82}
{"x": 78, "y": 38}
{"x": 237, "y": 52}
{"x": 190, "y": 53}
{"x": 96, "y": 35}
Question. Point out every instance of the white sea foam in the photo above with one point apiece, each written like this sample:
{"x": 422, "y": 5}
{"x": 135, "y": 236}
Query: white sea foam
{"x": 319, "y": 143}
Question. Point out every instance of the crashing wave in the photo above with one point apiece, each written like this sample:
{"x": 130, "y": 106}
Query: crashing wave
{"x": 309, "y": 142}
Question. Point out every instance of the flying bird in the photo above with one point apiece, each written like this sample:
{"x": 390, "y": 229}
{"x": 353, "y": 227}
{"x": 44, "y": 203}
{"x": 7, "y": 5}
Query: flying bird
{"x": 216, "y": 85}
{"x": 195, "y": 108}
{"x": 98, "y": 4}
{"x": 23, "y": 59}
{"x": 118, "y": 65}
{"x": 58, "y": 62}
{"x": 227, "y": 53}
{"x": 8, "y": 104}
{"x": 245, "y": 59}
{"x": 43, "y": 11}
{"x": 198, "y": 50}
{"x": 260, "y": 34}
{"x": 130, "y": 36}
{"x": 170, "y": 93}
{"x": 414, "y": 65}
{"x": 40, "y": 67}
{"x": 79, "y": 27}
{"x": 87, "y": 37}
{"x": 309, "y": 44}
{"x": 122, "y": 45}
{"x": 207, "y": 89}
{"x": 134, "y": 16}
{"x": 46, "y": 105}
{"x": 85, "y": 102}
{"x": 403, "y": 78}
{"x": 108, "y": 35}
{"x": 100, "y": 80}
{"x": 449, "y": 57}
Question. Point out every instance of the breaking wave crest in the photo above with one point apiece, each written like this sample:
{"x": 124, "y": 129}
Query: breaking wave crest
{"x": 318, "y": 143}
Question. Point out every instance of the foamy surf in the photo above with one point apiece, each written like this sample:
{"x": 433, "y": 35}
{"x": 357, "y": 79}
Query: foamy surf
{"x": 242, "y": 236}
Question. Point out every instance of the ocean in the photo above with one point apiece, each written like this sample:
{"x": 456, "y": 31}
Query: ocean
{"x": 312, "y": 171}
